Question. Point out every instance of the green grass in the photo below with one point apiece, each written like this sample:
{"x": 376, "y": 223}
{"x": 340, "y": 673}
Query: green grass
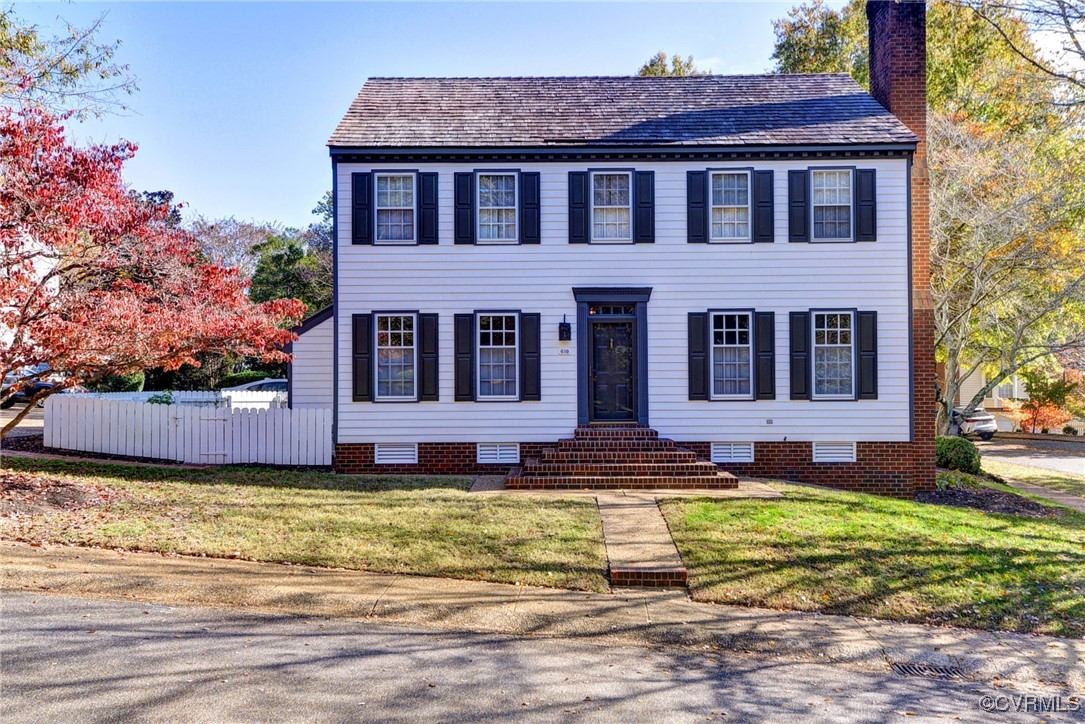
{"x": 409, "y": 524}
{"x": 1073, "y": 484}
{"x": 854, "y": 554}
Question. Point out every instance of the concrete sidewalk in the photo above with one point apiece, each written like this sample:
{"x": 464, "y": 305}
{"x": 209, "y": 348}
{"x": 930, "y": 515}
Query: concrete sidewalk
{"x": 633, "y": 616}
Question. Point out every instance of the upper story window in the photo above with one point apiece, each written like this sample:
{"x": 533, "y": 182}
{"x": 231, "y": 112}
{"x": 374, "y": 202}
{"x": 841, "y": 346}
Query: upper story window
{"x": 832, "y": 202}
{"x": 732, "y": 351}
{"x": 730, "y": 206}
{"x": 612, "y": 206}
{"x": 497, "y": 357}
{"x": 497, "y": 207}
{"x": 834, "y": 355}
{"x": 395, "y": 208}
{"x": 395, "y": 357}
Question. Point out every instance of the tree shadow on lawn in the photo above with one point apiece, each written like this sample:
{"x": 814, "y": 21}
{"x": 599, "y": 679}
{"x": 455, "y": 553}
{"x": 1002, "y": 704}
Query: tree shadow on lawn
{"x": 243, "y": 475}
{"x": 905, "y": 561}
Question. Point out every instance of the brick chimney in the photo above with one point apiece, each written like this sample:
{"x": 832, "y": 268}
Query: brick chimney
{"x": 898, "y": 80}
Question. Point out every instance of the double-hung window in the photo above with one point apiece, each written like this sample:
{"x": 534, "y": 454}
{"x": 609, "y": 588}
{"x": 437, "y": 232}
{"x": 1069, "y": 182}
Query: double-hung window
{"x": 732, "y": 351}
{"x": 497, "y": 207}
{"x": 396, "y": 356}
{"x": 612, "y": 206}
{"x": 834, "y": 355}
{"x": 395, "y": 208}
{"x": 498, "y": 346}
{"x": 730, "y": 206}
{"x": 832, "y": 204}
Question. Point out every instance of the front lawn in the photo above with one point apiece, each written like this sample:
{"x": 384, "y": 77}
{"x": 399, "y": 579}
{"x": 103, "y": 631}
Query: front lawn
{"x": 422, "y": 525}
{"x": 1073, "y": 484}
{"x": 864, "y": 555}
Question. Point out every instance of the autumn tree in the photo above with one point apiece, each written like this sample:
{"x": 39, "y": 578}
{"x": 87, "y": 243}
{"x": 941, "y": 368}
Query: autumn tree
{"x": 661, "y": 64}
{"x": 95, "y": 281}
{"x": 70, "y": 72}
{"x": 1006, "y": 202}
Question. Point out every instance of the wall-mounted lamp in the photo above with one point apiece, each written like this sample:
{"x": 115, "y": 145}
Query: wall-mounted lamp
{"x": 565, "y": 330}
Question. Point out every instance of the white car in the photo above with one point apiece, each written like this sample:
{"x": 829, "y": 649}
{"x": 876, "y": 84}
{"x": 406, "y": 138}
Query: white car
{"x": 977, "y": 422}
{"x": 265, "y": 385}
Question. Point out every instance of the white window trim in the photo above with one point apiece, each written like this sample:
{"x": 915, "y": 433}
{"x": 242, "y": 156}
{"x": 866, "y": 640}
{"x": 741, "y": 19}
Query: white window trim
{"x": 813, "y": 355}
{"x": 712, "y": 314}
{"x": 515, "y": 207}
{"x": 479, "y": 397}
{"x": 593, "y": 207}
{"x": 377, "y": 397}
{"x": 749, "y": 207}
{"x": 377, "y": 208}
{"x": 851, "y": 206}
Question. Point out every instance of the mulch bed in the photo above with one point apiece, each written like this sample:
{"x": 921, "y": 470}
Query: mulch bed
{"x": 24, "y": 443}
{"x": 991, "y": 501}
{"x": 27, "y": 494}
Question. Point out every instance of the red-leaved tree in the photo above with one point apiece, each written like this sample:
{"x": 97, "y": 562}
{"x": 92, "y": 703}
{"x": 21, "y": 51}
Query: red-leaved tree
{"x": 94, "y": 281}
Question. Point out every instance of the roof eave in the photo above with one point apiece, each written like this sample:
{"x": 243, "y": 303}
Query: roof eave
{"x": 344, "y": 150}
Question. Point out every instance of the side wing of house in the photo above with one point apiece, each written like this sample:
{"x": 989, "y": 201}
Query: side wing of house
{"x": 310, "y": 375}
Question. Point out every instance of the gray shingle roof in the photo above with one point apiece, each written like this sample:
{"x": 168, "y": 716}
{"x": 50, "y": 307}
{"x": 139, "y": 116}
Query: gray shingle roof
{"x": 716, "y": 110}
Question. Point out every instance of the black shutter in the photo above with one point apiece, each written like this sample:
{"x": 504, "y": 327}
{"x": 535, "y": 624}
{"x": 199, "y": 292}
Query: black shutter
{"x": 800, "y": 355}
{"x": 697, "y": 207}
{"x": 698, "y": 355}
{"x": 464, "y": 191}
{"x": 866, "y": 214}
{"x": 464, "y": 361}
{"x": 868, "y": 355}
{"x": 361, "y": 199}
{"x": 798, "y": 205}
{"x": 763, "y": 231}
{"x": 427, "y": 208}
{"x": 644, "y": 207}
{"x": 530, "y": 357}
{"x": 765, "y": 341}
{"x": 579, "y": 208}
{"x": 427, "y": 358}
{"x": 362, "y": 354}
{"x": 530, "y": 208}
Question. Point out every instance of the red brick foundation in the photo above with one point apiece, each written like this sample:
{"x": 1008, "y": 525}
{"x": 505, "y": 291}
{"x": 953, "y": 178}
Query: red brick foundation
{"x": 883, "y": 468}
{"x": 434, "y": 458}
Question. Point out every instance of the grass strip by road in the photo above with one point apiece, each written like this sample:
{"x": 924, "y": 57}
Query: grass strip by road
{"x": 1073, "y": 484}
{"x": 865, "y": 555}
{"x": 408, "y": 524}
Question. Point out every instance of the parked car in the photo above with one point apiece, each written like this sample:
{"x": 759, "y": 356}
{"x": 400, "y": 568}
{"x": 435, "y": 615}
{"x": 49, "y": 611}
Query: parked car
{"x": 265, "y": 385}
{"x": 977, "y": 422}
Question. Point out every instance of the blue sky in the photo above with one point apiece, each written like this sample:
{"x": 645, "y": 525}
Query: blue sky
{"x": 237, "y": 100}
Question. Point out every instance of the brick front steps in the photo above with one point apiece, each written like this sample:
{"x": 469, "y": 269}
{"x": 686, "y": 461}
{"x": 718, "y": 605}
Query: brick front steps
{"x": 618, "y": 456}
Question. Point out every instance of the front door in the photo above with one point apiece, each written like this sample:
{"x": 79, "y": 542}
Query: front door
{"x": 612, "y": 368}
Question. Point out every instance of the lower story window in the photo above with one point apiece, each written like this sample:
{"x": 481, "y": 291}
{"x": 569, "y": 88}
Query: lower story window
{"x": 834, "y": 355}
{"x": 395, "y": 357}
{"x": 497, "y": 357}
{"x": 731, "y": 352}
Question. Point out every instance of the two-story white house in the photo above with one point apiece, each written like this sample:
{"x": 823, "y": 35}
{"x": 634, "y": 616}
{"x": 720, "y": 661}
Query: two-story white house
{"x": 726, "y": 260}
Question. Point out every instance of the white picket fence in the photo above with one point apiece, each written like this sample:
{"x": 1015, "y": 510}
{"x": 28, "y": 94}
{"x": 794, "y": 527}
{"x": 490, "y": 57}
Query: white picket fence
{"x": 189, "y": 434}
{"x": 256, "y": 400}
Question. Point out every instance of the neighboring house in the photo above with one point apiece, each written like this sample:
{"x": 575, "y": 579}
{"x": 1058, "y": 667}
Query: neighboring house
{"x": 737, "y": 262}
{"x": 1010, "y": 389}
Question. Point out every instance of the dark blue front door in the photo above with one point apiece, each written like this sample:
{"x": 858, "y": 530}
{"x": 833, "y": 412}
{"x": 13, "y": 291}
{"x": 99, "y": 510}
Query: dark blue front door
{"x": 612, "y": 368}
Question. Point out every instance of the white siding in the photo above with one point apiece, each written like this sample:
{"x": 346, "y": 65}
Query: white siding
{"x": 311, "y": 372}
{"x": 780, "y": 277}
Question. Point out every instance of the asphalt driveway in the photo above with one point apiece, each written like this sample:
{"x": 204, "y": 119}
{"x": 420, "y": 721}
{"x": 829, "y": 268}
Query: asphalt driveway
{"x": 1058, "y": 455}
{"x": 73, "y": 659}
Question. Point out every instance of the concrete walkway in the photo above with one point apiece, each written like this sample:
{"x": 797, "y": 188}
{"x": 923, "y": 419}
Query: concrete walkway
{"x": 1057, "y": 496}
{"x": 640, "y": 549}
{"x": 634, "y": 616}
